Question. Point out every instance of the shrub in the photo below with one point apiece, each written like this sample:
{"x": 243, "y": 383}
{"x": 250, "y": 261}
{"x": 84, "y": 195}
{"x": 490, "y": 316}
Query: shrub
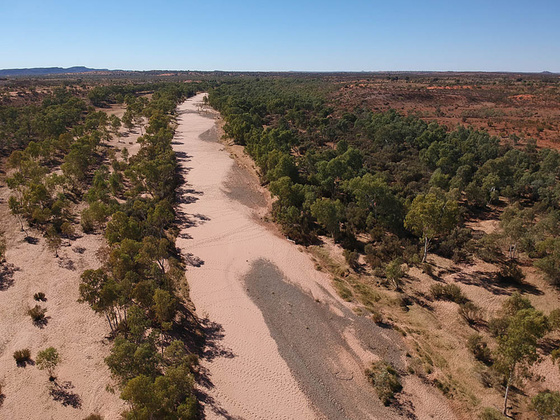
{"x": 510, "y": 273}
{"x": 479, "y": 348}
{"x": 37, "y": 313}
{"x": 385, "y": 380}
{"x": 546, "y": 404}
{"x": 450, "y": 292}
{"x": 22, "y": 356}
{"x": 554, "y": 319}
{"x": 490, "y": 413}
{"x": 351, "y": 258}
{"x": 428, "y": 269}
{"x": 470, "y": 313}
{"x": 93, "y": 417}
{"x": 39, "y": 296}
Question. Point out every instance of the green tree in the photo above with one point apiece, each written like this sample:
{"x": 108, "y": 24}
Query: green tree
{"x": 517, "y": 342}
{"x": 48, "y": 360}
{"x": 329, "y": 214}
{"x": 547, "y": 405}
{"x": 431, "y": 216}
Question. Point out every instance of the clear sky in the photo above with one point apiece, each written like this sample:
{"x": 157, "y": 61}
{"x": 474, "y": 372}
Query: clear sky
{"x": 328, "y": 35}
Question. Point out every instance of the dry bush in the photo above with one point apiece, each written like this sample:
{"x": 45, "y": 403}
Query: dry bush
{"x": 39, "y": 297}
{"x": 471, "y": 313}
{"x": 37, "y": 313}
{"x": 22, "y": 356}
{"x": 479, "y": 348}
{"x": 450, "y": 292}
{"x": 385, "y": 380}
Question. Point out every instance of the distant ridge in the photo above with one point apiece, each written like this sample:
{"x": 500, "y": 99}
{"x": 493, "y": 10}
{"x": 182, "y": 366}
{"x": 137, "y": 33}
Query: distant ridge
{"x": 40, "y": 71}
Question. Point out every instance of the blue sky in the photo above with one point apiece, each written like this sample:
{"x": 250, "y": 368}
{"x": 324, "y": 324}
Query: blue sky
{"x": 329, "y": 35}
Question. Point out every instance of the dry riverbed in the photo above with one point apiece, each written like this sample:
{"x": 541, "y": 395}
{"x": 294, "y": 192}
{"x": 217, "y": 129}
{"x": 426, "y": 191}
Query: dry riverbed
{"x": 281, "y": 344}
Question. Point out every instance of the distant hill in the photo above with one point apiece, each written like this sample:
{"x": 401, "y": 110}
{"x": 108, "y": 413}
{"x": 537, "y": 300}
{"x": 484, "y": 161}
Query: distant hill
{"x": 40, "y": 71}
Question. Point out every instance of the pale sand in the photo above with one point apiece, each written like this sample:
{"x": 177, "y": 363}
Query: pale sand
{"x": 282, "y": 345}
{"x": 73, "y": 329}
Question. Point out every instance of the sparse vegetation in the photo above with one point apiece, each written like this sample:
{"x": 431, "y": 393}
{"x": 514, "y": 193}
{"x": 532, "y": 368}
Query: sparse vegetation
{"x": 37, "y": 313}
{"x": 48, "y": 360}
{"x": 385, "y": 380}
{"x": 22, "y": 356}
{"x": 450, "y": 292}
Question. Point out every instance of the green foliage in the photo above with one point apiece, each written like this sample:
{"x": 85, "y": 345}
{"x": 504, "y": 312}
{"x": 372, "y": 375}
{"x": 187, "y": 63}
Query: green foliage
{"x": 546, "y": 404}
{"x": 2, "y": 248}
{"x": 385, "y": 380}
{"x": 490, "y": 413}
{"x": 450, "y": 292}
{"x": 48, "y": 360}
{"x": 22, "y": 356}
{"x": 431, "y": 216}
{"x": 93, "y": 417}
{"x": 518, "y": 332}
{"x": 37, "y": 313}
{"x": 394, "y": 272}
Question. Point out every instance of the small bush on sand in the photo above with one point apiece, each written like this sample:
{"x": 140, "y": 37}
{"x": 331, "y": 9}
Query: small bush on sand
{"x": 37, "y": 313}
{"x": 511, "y": 273}
{"x": 39, "y": 297}
{"x": 490, "y": 413}
{"x": 93, "y": 417}
{"x": 471, "y": 313}
{"x": 450, "y": 292}
{"x": 22, "y": 356}
{"x": 385, "y": 380}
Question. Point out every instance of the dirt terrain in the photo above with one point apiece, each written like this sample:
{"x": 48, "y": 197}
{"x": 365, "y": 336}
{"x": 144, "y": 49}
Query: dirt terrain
{"x": 527, "y": 105}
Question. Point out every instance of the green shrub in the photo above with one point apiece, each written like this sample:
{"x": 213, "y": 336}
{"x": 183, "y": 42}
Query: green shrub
{"x": 510, "y": 273}
{"x": 554, "y": 319}
{"x": 385, "y": 380}
{"x": 351, "y": 258}
{"x": 490, "y": 413}
{"x": 546, "y": 404}
{"x": 22, "y": 356}
{"x": 479, "y": 348}
{"x": 450, "y": 292}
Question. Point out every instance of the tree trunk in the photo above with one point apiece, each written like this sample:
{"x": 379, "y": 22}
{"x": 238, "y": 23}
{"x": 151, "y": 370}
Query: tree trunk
{"x": 507, "y": 392}
{"x": 425, "y": 250}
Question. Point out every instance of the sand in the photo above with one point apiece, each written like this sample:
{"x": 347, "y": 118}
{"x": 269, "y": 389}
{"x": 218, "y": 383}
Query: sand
{"x": 281, "y": 344}
{"x": 72, "y": 328}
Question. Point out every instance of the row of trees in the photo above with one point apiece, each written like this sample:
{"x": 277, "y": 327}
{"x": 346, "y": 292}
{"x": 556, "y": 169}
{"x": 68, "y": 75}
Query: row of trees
{"x": 350, "y": 173}
{"x": 136, "y": 288}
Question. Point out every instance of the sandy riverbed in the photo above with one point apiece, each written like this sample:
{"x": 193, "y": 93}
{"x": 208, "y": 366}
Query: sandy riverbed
{"x": 281, "y": 344}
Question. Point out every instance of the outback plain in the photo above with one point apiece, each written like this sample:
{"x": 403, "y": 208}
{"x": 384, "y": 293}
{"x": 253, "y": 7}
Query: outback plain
{"x": 280, "y": 246}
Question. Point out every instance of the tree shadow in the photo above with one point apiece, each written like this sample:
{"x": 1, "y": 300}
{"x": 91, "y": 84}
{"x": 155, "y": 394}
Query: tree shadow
{"x": 24, "y": 363}
{"x": 214, "y": 334}
{"x": 486, "y": 280}
{"x": 62, "y": 392}
{"x": 67, "y": 263}
{"x": 7, "y": 276}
